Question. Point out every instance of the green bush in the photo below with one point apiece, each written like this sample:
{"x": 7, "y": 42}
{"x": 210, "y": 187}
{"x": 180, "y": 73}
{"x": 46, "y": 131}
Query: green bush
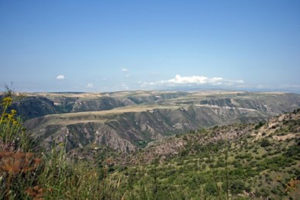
{"x": 265, "y": 142}
{"x": 211, "y": 188}
{"x": 237, "y": 187}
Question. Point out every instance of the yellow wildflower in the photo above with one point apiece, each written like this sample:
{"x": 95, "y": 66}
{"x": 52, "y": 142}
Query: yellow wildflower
{"x": 7, "y": 101}
{"x": 13, "y": 112}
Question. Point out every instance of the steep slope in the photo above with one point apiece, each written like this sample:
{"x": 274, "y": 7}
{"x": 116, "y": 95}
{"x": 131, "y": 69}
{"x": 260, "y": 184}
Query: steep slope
{"x": 242, "y": 161}
{"x": 125, "y": 130}
{"x": 33, "y": 106}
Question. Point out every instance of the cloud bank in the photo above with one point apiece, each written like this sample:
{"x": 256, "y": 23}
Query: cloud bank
{"x": 179, "y": 80}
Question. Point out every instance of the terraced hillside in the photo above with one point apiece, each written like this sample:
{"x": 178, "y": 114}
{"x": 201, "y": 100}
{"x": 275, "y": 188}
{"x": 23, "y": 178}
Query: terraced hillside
{"x": 127, "y": 121}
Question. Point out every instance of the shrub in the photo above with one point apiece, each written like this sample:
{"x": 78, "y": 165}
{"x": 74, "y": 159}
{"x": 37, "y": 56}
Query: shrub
{"x": 211, "y": 189}
{"x": 237, "y": 187}
{"x": 260, "y": 124}
{"x": 265, "y": 142}
{"x": 293, "y": 151}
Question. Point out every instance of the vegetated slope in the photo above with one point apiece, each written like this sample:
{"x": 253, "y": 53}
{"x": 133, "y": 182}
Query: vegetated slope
{"x": 241, "y": 161}
{"x": 34, "y": 106}
{"x": 128, "y": 128}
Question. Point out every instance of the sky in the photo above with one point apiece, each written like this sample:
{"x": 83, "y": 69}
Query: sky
{"x": 98, "y": 46}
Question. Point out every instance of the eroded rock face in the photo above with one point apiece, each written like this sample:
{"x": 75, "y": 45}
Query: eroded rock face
{"x": 124, "y": 132}
{"x": 128, "y": 121}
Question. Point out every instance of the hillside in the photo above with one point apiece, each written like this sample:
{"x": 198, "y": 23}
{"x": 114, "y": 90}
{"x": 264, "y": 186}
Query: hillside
{"x": 242, "y": 161}
{"x": 128, "y": 121}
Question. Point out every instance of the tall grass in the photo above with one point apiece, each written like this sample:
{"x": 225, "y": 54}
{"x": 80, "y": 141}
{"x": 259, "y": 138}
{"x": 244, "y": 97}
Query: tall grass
{"x": 65, "y": 179}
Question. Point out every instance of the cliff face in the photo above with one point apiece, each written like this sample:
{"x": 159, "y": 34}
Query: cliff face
{"x": 125, "y": 122}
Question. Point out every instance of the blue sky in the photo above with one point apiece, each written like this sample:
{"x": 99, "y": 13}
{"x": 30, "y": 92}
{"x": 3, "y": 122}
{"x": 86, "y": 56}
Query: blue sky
{"x": 118, "y": 45}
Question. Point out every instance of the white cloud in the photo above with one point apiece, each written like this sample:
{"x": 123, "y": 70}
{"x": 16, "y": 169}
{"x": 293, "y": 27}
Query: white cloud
{"x": 60, "y": 77}
{"x": 194, "y": 80}
{"x": 124, "y": 70}
{"x": 90, "y": 85}
{"x": 179, "y": 80}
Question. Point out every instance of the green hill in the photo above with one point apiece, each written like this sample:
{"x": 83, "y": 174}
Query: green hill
{"x": 253, "y": 161}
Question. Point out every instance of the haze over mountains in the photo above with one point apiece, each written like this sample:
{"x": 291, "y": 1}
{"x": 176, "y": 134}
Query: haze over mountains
{"x": 127, "y": 121}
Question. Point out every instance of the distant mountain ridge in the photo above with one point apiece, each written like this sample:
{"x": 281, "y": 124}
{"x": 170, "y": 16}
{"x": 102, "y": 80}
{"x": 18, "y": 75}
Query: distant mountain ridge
{"x": 32, "y": 105}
